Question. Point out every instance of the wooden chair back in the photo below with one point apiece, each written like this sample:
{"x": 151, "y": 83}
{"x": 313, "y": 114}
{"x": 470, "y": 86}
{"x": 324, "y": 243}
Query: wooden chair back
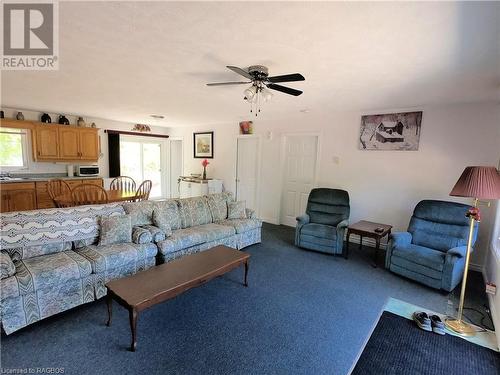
{"x": 89, "y": 194}
{"x": 56, "y": 188}
{"x": 124, "y": 183}
{"x": 143, "y": 191}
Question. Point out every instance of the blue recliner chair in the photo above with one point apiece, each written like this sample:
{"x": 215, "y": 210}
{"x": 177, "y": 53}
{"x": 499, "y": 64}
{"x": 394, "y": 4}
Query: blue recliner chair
{"x": 433, "y": 249}
{"x": 323, "y": 225}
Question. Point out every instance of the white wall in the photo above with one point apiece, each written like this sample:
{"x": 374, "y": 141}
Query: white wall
{"x": 384, "y": 186}
{"x": 102, "y": 124}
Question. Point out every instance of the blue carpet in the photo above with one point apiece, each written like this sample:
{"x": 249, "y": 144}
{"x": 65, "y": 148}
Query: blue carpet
{"x": 303, "y": 313}
{"x": 398, "y": 346}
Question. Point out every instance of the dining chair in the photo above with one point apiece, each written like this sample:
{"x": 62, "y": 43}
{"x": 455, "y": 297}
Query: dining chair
{"x": 89, "y": 194}
{"x": 142, "y": 193}
{"x": 124, "y": 183}
{"x": 56, "y": 188}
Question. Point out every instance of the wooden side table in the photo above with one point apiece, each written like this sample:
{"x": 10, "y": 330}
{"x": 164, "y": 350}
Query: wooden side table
{"x": 365, "y": 228}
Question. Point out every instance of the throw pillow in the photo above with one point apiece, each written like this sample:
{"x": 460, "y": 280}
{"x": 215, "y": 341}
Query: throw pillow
{"x": 157, "y": 234}
{"x": 236, "y": 210}
{"x": 7, "y": 268}
{"x": 160, "y": 220}
{"x": 115, "y": 229}
{"x": 141, "y": 235}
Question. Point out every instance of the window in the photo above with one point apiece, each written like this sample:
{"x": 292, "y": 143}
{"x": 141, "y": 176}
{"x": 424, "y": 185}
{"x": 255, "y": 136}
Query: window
{"x": 13, "y": 149}
{"x": 142, "y": 160}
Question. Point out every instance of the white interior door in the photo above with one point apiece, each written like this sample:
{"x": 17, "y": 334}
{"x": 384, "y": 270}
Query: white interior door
{"x": 300, "y": 157}
{"x": 247, "y": 171}
{"x": 175, "y": 166}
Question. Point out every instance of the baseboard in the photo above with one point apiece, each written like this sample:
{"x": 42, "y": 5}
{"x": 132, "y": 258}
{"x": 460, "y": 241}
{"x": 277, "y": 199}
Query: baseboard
{"x": 270, "y": 220}
{"x": 493, "y": 310}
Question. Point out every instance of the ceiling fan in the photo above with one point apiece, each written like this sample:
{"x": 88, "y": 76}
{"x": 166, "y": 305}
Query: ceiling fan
{"x": 260, "y": 81}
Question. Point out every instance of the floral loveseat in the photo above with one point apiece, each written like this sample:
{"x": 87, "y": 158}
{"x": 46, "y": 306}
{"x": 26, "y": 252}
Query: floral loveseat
{"x": 51, "y": 260}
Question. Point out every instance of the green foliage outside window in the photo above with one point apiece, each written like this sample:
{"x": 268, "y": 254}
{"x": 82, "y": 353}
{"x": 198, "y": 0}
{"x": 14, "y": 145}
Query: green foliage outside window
{"x": 11, "y": 148}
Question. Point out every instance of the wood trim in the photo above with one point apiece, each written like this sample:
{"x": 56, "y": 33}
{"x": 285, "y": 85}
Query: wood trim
{"x": 16, "y": 124}
{"x": 109, "y": 131}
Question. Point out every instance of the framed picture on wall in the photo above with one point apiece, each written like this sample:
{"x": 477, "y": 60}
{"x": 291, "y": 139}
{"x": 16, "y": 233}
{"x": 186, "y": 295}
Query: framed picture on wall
{"x": 203, "y": 145}
{"x": 391, "y": 131}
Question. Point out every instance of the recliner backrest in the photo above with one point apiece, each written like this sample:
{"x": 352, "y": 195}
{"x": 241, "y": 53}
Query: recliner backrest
{"x": 328, "y": 206}
{"x": 440, "y": 225}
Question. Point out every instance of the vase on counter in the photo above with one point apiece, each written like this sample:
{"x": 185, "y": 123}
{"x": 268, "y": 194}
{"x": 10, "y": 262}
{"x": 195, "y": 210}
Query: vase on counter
{"x": 20, "y": 116}
{"x": 81, "y": 122}
{"x": 46, "y": 118}
{"x": 204, "y": 163}
{"x": 63, "y": 120}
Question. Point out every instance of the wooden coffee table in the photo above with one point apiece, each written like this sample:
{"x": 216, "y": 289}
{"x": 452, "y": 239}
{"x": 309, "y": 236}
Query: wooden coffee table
{"x": 365, "y": 228}
{"x": 160, "y": 283}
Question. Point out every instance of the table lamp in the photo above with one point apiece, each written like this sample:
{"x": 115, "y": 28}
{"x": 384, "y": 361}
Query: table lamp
{"x": 477, "y": 183}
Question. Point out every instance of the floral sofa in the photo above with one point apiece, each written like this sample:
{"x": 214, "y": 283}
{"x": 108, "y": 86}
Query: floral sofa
{"x": 51, "y": 260}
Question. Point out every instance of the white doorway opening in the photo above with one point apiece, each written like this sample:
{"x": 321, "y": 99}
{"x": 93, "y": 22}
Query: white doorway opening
{"x": 300, "y": 163}
{"x": 247, "y": 171}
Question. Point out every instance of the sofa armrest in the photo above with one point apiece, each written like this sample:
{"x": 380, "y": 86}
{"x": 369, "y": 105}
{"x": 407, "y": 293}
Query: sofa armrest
{"x": 141, "y": 235}
{"x": 7, "y": 267}
{"x": 250, "y": 213}
{"x": 459, "y": 251}
{"x": 400, "y": 238}
{"x": 303, "y": 219}
{"x": 396, "y": 239}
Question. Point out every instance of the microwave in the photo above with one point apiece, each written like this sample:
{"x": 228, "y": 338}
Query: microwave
{"x": 87, "y": 170}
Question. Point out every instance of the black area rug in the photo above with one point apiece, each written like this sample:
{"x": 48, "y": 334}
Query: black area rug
{"x": 398, "y": 346}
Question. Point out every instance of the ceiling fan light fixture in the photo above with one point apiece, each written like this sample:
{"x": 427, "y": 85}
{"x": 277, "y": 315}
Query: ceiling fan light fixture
{"x": 267, "y": 95}
{"x": 250, "y": 92}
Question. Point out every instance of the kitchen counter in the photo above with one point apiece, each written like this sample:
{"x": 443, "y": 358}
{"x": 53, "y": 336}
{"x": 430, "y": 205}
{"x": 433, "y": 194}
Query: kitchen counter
{"x": 14, "y": 179}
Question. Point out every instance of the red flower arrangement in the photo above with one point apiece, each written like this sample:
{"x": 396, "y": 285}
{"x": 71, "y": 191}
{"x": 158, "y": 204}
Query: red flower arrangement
{"x": 204, "y": 163}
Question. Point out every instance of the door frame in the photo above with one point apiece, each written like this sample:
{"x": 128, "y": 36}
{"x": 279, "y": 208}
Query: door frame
{"x": 283, "y": 163}
{"x": 169, "y": 178}
{"x": 258, "y": 169}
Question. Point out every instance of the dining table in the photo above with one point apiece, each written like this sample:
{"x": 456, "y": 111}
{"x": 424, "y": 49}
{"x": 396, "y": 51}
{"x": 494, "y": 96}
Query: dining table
{"x": 66, "y": 200}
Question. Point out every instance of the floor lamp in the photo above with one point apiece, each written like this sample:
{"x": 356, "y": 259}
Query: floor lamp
{"x": 477, "y": 183}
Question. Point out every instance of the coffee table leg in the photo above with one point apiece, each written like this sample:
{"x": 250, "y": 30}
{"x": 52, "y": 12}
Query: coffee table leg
{"x": 109, "y": 302}
{"x": 133, "y": 327}
{"x": 246, "y": 273}
{"x": 377, "y": 246}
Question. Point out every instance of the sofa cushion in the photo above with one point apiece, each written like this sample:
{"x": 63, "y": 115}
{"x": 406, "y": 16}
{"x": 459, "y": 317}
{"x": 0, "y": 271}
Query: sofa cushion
{"x": 141, "y": 235}
{"x": 217, "y": 203}
{"x": 27, "y": 252}
{"x": 115, "y": 229}
{"x": 194, "y": 211}
{"x": 236, "y": 210}
{"x": 161, "y": 220}
{"x": 107, "y": 257}
{"x": 156, "y": 233}
{"x": 7, "y": 268}
{"x": 242, "y": 225}
{"x": 142, "y": 212}
{"x": 45, "y": 272}
{"x": 421, "y": 255}
{"x": 188, "y": 237}
{"x": 319, "y": 230}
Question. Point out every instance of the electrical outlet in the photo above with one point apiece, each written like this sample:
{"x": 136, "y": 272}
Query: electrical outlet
{"x": 491, "y": 288}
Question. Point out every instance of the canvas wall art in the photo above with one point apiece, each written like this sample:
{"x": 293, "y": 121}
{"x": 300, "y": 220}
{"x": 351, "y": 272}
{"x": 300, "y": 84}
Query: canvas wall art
{"x": 392, "y": 131}
{"x": 203, "y": 145}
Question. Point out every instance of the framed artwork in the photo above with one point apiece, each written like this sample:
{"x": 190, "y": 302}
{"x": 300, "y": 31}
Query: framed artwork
{"x": 392, "y": 131}
{"x": 203, "y": 145}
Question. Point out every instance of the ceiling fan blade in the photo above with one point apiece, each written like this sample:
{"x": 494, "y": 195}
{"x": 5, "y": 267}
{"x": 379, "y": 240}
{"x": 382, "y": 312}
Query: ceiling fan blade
{"x": 286, "y": 90}
{"x": 227, "y": 83}
{"x": 286, "y": 78}
{"x": 240, "y": 71}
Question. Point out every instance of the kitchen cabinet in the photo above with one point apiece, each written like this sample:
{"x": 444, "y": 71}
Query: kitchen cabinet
{"x": 65, "y": 143}
{"x": 18, "y": 197}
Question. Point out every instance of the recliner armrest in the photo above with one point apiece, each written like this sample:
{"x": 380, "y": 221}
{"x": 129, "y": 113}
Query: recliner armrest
{"x": 459, "y": 251}
{"x": 7, "y": 267}
{"x": 303, "y": 219}
{"x": 342, "y": 225}
{"x": 400, "y": 238}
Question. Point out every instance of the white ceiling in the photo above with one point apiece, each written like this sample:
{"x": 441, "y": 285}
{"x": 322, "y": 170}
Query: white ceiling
{"x": 127, "y": 60}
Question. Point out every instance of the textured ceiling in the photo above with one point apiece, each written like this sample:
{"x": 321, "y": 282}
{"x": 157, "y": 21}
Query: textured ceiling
{"x": 125, "y": 61}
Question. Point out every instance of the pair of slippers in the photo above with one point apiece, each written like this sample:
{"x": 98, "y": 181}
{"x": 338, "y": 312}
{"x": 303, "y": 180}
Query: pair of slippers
{"x": 432, "y": 323}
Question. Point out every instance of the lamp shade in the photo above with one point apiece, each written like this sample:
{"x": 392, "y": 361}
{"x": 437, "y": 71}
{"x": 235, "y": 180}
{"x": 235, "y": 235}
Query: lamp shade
{"x": 478, "y": 182}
